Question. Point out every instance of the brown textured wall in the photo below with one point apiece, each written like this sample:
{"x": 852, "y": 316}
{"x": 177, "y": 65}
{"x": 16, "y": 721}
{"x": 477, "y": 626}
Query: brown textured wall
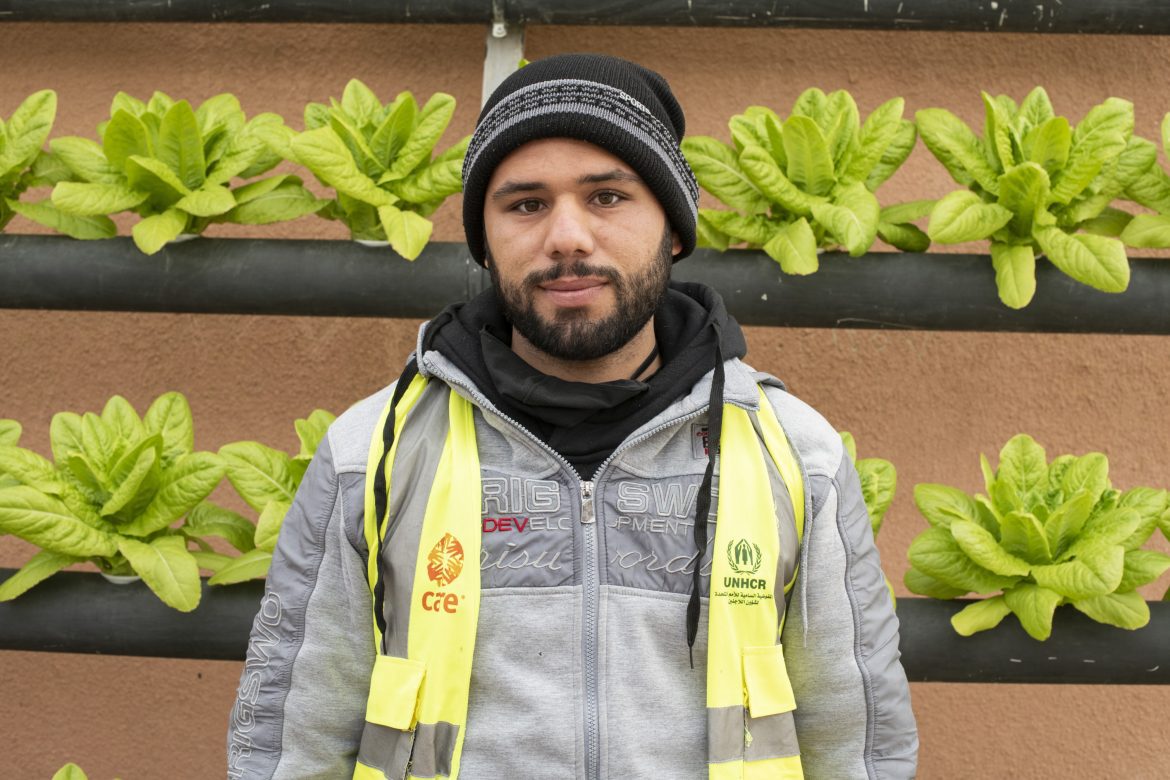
{"x": 929, "y": 402}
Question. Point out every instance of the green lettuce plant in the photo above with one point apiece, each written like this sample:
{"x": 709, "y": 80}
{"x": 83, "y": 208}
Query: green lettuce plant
{"x": 10, "y": 431}
{"x": 1036, "y": 184}
{"x": 807, "y": 182}
{"x": 267, "y": 479}
{"x": 24, "y": 165}
{"x": 71, "y": 771}
{"x": 1045, "y": 534}
{"x": 879, "y": 480}
{"x": 378, "y": 159}
{"x": 117, "y": 484}
{"x": 1152, "y": 190}
{"x": 173, "y": 165}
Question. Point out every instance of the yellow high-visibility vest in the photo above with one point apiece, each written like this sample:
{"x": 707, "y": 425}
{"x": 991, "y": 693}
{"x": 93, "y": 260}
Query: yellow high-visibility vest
{"x": 751, "y": 732}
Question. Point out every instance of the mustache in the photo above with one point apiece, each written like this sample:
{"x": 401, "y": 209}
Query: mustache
{"x": 578, "y": 268}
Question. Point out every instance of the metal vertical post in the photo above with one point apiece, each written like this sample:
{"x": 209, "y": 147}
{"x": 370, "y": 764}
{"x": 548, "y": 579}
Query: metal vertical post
{"x": 505, "y": 49}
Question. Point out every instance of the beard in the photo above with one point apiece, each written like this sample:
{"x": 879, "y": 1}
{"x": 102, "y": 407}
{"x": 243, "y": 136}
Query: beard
{"x": 571, "y": 334}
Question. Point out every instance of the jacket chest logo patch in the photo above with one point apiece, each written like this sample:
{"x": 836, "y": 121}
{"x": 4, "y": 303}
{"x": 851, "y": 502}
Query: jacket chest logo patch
{"x": 445, "y": 560}
{"x": 699, "y": 440}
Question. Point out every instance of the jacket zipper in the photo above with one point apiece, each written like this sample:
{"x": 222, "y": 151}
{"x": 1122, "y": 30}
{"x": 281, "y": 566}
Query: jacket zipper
{"x": 591, "y": 572}
{"x": 591, "y": 605}
{"x": 591, "y": 576}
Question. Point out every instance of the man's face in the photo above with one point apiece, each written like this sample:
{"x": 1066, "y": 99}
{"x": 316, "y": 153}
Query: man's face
{"x": 579, "y": 248}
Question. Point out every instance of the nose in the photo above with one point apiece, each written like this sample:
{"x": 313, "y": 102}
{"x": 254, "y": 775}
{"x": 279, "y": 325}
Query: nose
{"x": 570, "y": 234}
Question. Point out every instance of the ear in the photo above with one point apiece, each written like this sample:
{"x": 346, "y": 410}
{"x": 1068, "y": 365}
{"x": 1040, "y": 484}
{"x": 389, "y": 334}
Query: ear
{"x": 675, "y": 243}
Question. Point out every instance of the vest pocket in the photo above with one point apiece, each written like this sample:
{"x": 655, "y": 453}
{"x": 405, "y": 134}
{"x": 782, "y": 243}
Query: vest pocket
{"x": 394, "y": 687}
{"x": 388, "y": 737}
{"x": 770, "y": 746}
{"x": 769, "y": 691}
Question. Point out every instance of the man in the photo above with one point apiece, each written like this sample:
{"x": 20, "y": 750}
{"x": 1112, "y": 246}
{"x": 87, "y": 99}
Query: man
{"x": 676, "y": 576}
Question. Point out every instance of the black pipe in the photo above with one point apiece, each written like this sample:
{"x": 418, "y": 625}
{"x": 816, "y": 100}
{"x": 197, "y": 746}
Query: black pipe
{"x": 1040, "y": 16}
{"x": 340, "y": 278}
{"x": 76, "y": 612}
{"x": 1053, "y": 16}
{"x": 234, "y": 276}
{"x": 1080, "y": 650}
{"x": 927, "y": 292}
{"x": 272, "y": 11}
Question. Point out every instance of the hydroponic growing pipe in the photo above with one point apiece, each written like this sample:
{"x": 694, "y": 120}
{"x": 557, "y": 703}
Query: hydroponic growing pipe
{"x": 81, "y": 613}
{"x": 1042, "y": 16}
{"x": 77, "y": 612}
{"x": 343, "y": 279}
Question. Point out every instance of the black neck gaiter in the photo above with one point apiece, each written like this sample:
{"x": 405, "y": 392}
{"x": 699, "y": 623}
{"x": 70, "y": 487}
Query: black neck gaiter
{"x": 585, "y": 422}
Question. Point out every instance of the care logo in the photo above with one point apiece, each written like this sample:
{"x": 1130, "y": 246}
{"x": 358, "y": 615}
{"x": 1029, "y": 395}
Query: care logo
{"x": 744, "y": 557}
{"x": 445, "y": 560}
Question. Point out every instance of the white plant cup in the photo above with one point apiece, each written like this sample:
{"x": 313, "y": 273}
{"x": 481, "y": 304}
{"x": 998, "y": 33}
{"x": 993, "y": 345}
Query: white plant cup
{"x": 120, "y": 579}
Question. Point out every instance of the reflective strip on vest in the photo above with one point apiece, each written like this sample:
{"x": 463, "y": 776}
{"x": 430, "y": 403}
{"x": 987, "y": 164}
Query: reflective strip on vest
{"x": 417, "y": 709}
{"x": 750, "y": 727}
{"x": 418, "y": 704}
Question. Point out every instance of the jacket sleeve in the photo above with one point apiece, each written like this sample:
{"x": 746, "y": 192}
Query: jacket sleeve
{"x": 853, "y": 714}
{"x": 300, "y": 707}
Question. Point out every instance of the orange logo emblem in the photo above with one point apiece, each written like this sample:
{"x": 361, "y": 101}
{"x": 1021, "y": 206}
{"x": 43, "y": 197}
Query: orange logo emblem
{"x": 445, "y": 560}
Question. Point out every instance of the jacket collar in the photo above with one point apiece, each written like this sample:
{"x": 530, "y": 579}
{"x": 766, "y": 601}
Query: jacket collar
{"x": 739, "y": 388}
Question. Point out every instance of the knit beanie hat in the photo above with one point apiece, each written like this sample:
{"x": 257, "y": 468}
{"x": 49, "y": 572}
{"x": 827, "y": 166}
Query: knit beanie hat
{"x": 624, "y": 108}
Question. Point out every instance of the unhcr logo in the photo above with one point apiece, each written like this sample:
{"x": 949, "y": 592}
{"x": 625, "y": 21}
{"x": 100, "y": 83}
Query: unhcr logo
{"x": 745, "y": 559}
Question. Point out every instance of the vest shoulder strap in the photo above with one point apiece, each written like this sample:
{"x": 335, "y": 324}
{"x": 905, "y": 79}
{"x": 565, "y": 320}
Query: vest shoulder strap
{"x": 750, "y": 701}
{"x": 780, "y": 448}
{"x": 379, "y": 464}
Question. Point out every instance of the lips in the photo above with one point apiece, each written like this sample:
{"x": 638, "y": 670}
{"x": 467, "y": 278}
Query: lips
{"x": 574, "y": 291}
{"x": 573, "y": 284}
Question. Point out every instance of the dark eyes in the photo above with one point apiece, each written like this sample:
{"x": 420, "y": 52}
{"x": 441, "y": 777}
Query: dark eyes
{"x": 605, "y": 198}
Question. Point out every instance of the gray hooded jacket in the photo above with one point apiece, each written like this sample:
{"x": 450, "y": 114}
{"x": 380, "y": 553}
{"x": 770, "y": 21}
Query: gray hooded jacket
{"x": 581, "y": 667}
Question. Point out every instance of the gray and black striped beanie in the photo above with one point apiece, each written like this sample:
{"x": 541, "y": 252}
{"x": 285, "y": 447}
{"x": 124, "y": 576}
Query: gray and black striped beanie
{"x": 624, "y": 108}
